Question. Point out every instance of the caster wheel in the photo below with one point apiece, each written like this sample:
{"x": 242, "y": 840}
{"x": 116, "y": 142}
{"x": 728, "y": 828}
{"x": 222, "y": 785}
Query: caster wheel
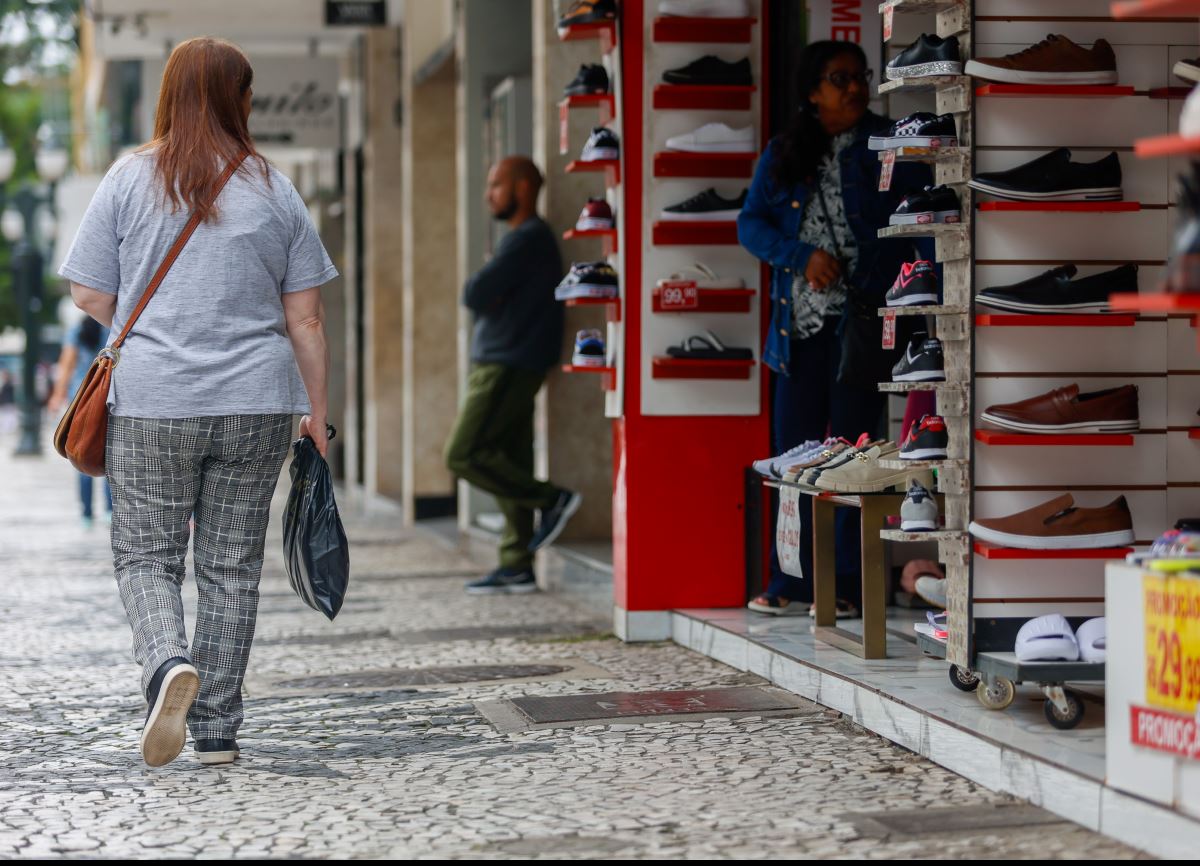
{"x": 997, "y": 694}
{"x": 962, "y": 679}
{"x": 1072, "y": 717}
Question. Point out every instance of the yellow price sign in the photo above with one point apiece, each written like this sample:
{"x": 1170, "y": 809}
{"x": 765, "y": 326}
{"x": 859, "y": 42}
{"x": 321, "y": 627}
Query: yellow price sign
{"x": 1172, "y": 611}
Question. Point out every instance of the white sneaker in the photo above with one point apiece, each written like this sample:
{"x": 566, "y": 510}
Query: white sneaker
{"x": 1189, "y": 118}
{"x": 932, "y": 590}
{"x": 771, "y": 466}
{"x": 715, "y": 138}
{"x": 705, "y": 8}
{"x": 703, "y": 277}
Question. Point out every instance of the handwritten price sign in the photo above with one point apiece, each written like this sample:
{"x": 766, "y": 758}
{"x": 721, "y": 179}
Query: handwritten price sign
{"x": 1172, "y": 612}
{"x": 680, "y": 295}
{"x": 787, "y": 531}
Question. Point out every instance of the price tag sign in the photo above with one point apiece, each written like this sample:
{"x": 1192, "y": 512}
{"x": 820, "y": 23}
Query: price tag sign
{"x": 885, "y": 173}
{"x": 564, "y": 124}
{"x": 889, "y": 329}
{"x": 679, "y": 295}
{"x": 787, "y": 531}
{"x": 888, "y": 12}
{"x": 1171, "y": 606}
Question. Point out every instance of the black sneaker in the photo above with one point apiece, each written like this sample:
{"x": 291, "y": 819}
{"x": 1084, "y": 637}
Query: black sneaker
{"x": 922, "y": 129}
{"x": 213, "y": 752}
{"x": 934, "y": 204}
{"x": 504, "y": 581}
{"x": 601, "y": 144}
{"x": 712, "y": 70}
{"x": 588, "y": 12}
{"x": 589, "y": 280}
{"x": 1183, "y": 267}
{"x": 706, "y": 206}
{"x": 170, "y": 696}
{"x": 1052, "y": 176}
{"x": 590, "y": 79}
{"x": 929, "y": 55}
{"x": 554, "y": 519}
{"x": 922, "y": 361}
{"x": 927, "y": 440}
{"x": 917, "y": 283}
{"x": 1055, "y": 292}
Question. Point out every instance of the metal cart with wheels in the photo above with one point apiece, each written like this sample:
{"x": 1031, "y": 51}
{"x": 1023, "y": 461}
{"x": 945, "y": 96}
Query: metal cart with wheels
{"x": 998, "y": 675}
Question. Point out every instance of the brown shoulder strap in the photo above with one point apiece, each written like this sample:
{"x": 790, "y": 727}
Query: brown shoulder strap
{"x": 173, "y": 253}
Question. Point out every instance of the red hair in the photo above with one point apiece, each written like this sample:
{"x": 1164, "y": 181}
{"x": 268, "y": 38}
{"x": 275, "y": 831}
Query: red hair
{"x": 199, "y": 124}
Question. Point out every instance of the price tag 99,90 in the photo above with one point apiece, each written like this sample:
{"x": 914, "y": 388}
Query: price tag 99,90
{"x": 678, "y": 295}
{"x": 1171, "y": 607}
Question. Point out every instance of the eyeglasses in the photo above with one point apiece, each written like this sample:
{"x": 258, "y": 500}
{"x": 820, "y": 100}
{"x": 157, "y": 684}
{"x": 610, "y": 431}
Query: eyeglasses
{"x": 841, "y": 80}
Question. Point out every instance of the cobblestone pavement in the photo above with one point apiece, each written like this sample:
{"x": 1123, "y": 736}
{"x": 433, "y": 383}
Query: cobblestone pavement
{"x": 415, "y": 771}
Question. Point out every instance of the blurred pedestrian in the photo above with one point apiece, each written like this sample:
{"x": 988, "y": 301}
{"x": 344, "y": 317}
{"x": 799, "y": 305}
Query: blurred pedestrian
{"x": 84, "y": 339}
{"x": 206, "y": 385}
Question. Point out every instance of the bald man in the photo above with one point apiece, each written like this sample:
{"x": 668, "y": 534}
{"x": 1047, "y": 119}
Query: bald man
{"x": 517, "y": 339}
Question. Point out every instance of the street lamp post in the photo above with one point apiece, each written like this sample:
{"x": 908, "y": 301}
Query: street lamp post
{"x": 19, "y": 224}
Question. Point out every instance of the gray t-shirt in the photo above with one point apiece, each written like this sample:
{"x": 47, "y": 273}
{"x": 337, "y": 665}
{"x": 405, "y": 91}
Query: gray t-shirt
{"x": 212, "y": 340}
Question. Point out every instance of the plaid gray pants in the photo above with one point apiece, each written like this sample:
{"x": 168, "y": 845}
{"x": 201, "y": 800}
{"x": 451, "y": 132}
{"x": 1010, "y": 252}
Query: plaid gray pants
{"x": 222, "y": 470}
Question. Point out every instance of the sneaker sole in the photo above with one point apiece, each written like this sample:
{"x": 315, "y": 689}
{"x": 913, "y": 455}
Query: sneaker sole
{"x": 587, "y": 361}
{"x": 518, "y": 589}
{"x": 1127, "y": 426}
{"x": 166, "y": 727}
{"x": 925, "y": 454}
{"x": 917, "y": 526}
{"x": 933, "y": 142}
{"x": 1017, "y": 306}
{"x": 700, "y": 217}
{"x": 1117, "y": 538}
{"x": 929, "y": 599}
{"x": 591, "y": 225}
{"x": 928, "y": 217}
{"x": 716, "y": 147}
{"x": 210, "y": 759}
{"x": 1021, "y": 76}
{"x": 793, "y": 609}
{"x": 912, "y": 300}
{"x": 1095, "y": 193}
{"x": 572, "y": 506}
{"x": 921, "y": 376}
{"x": 599, "y": 154}
{"x": 584, "y": 290}
{"x": 924, "y": 70}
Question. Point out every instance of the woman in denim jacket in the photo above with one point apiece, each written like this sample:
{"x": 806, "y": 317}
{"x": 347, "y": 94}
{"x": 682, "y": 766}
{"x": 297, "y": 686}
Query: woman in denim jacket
{"x": 812, "y": 214}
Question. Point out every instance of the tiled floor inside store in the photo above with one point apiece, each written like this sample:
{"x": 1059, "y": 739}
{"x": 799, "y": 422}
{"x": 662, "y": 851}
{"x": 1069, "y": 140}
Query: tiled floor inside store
{"x": 919, "y": 682}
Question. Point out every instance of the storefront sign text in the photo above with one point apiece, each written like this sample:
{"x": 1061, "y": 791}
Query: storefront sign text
{"x": 1164, "y": 732}
{"x": 1172, "y": 613}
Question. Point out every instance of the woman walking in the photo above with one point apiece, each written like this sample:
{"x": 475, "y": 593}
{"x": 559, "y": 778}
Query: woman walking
{"x": 227, "y": 350}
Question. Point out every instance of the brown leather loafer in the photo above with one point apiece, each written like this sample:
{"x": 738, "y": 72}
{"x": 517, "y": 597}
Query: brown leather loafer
{"x": 1059, "y": 525}
{"x": 1065, "y": 410}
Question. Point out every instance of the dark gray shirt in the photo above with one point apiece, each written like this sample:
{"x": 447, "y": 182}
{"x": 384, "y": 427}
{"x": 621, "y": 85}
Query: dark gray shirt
{"x": 517, "y": 321}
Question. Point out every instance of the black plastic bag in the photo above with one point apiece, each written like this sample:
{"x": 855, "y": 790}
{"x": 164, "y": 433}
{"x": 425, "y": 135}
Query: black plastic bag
{"x": 315, "y": 550}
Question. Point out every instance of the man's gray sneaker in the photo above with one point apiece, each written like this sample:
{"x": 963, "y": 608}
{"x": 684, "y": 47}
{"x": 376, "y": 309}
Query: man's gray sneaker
{"x": 504, "y": 580}
{"x": 554, "y": 519}
{"x": 919, "y": 511}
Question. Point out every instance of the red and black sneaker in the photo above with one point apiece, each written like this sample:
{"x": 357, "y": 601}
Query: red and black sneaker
{"x": 917, "y": 283}
{"x": 596, "y": 214}
{"x": 927, "y": 440}
{"x": 588, "y": 12}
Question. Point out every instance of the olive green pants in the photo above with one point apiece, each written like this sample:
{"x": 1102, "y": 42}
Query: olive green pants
{"x": 491, "y": 447}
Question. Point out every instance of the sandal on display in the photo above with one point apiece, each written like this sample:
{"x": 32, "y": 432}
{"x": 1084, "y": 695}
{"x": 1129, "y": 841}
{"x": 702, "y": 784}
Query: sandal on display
{"x": 702, "y": 277}
{"x": 776, "y": 606}
{"x": 708, "y": 347}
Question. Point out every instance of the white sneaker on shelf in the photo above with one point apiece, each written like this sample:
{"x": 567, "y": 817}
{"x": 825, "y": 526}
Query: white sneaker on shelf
{"x": 714, "y": 138}
{"x": 703, "y": 277}
{"x": 705, "y": 8}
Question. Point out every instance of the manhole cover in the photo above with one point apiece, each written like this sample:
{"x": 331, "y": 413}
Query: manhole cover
{"x": 491, "y": 632}
{"x": 422, "y": 676}
{"x": 332, "y": 639}
{"x": 957, "y": 820}
{"x": 609, "y": 705}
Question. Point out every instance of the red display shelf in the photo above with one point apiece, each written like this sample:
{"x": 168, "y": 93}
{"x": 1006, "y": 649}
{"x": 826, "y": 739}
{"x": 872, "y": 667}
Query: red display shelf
{"x": 673, "y": 164}
{"x": 999, "y": 437}
{"x": 608, "y": 375}
{"x": 1177, "y": 92}
{"x": 1033, "y": 320}
{"x": 606, "y": 102}
{"x": 674, "y": 233}
{"x": 671, "y": 28}
{"x": 1084, "y": 206}
{"x": 613, "y": 305}
{"x": 609, "y": 235}
{"x": 1039, "y": 90}
{"x": 1125, "y": 9}
{"x": 1194, "y": 432}
{"x": 666, "y": 367}
{"x": 1166, "y": 145}
{"x": 707, "y": 301}
{"x": 988, "y": 551}
{"x": 605, "y": 31}
{"x": 612, "y": 167}
{"x": 708, "y": 97}
{"x": 1156, "y": 302}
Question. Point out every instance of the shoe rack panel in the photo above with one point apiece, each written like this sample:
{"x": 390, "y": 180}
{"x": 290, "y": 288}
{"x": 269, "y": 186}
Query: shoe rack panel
{"x": 1041, "y": 320}
{"x": 1181, "y": 344}
{"x": 1086, "y": 122}
{"x": 1148, "y": 507}
{"x": 1144, "y": 463}
{"x": 988, "y": 615}
{"x": 1013, "y": 581}
{"x": 1152, "y": 392}
{"x": 1144, "y": 181}
{"x": 670, "y": 28}
{"x": 998, "y": 37}
{"x": 704, "y": 165}
{"x": 1043, "y": 91}
{"x": 1183, "y": 456}
{"x": 688, "y": 233}
{"x": 1118, "y": 237}
{"x": 1001, "y": 439}
{"x": 1183, "y": 401}
{"x": 990, "y": 551}
{"x": 709, "y": 301}
{"x": 605, "y": 32}
{"x": 666, "y": 367}
{"x": 609, "y": 236}
{"x": 1139, "y": 349}
{"x": 703, "y": 97}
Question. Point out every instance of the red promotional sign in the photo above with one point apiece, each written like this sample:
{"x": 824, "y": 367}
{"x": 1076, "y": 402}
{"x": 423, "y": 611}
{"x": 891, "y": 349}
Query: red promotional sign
{"x": 679, "y": 295}
{"x": 889, "y": 329}
{"x": 1164, "y": 732}
{"x": 888, "y": 12}
{"x": 885, "y": 173}
{"x": 563, "y": 126}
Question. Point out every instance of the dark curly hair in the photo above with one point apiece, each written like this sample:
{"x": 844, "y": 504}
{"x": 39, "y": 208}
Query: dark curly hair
{"x": 802, "y": 147}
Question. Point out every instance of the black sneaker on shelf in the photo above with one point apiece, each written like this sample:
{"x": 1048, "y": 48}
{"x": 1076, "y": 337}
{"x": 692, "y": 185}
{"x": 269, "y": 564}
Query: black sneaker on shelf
{"x": 1054, "y": 291}
{"x": 934, "y": 204}
{"x": 588, "y": 12}
{"x": 504, "y": 581}
{"x": 712, "y": 70}
{"x": 601, "y": 144}
{"x": 590, "y": 79}
{"x": 922, "y": 361}
{"x": 922, "y": 129}
{"x": 917, "y": 283}
{"x": 929, "y": 55}
{"x": 589, "y": 280}
{"x": 1053, "y": 177}
{"x": 554, "y": 519}
{"x": 1183, "y": 267}
{"x": 927, "y": 440}
{"x": 707, "y": 206}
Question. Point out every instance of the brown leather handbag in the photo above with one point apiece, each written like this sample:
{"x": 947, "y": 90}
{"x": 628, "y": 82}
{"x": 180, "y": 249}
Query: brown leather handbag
{"x": 83, "y": 430}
